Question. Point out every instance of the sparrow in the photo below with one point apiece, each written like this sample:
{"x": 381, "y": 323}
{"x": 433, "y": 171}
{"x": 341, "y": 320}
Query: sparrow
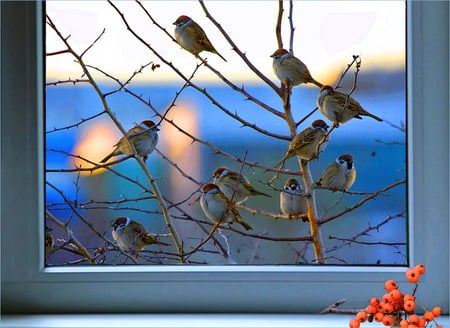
{"x": 144, "y": 137}
{"x": 339, "y": 175}
{"x": 290, "y": 70}
{"x": 132, "y": 236}
{"x": 235, "y": 185}
{"x": 339, "y": 107}
{"x": 49, "y": 241}
{"x": 293, "y": 199}
{"x": 191, "y": 36}
{"x": 218, "y": 208}
{"x": 309, "y": 143}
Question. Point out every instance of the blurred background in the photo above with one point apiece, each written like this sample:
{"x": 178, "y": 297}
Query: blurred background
{"x": 327, "y": 34}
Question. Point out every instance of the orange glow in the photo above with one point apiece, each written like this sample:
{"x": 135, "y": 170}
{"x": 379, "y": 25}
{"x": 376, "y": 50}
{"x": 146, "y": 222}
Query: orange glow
{"x": 180, "y": 150}
{"x": 93, "y": 144}
{"x": 177, "y": 142}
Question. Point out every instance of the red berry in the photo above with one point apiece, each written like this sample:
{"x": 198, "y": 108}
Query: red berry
{"x": 378, "y": 317}
{"x": 390, "y": 285}
{"x": 409, "y": 305}
{"x": 361, "y": 316}
{"x": 428, "y": 316}
{"x": 388, "y": 320}
{"x": 414, "y": 319}
{"x": 354, "y": 323}
{"x": 437, "y": 310}
{"x": 412, "y": 275}
{"x": 420, "y": 268}
{"x": 396, "y": 295}
{"x": 371, "y": 309}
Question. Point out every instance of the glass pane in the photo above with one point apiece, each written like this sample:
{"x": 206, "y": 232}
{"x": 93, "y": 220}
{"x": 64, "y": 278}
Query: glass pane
{"x": 200, "y": 121}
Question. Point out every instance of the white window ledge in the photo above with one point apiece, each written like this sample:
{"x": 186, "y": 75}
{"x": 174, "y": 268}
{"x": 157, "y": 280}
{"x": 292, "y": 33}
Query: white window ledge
{"x": 185, "y": 321}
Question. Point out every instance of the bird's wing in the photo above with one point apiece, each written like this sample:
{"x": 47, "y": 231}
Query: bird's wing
{"x": 305, "y": 137}
{"x": 296, "y": 64}
{"x": 136, "y": 131}
{"x": 345, "y": 100}
{"x": 139, "y": 229}
{"x": 200, "y": 37}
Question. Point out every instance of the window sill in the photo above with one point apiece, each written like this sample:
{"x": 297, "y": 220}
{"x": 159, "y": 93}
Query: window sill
{"x": 184, "y": 320}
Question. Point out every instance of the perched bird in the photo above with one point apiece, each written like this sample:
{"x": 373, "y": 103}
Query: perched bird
{"x": 132, "y": 236}
{"x": 49, "y": 241}
{"x": 339, "y": 107}
{"x": 309, "y": 143}
{"x": 293, "y": 199}
{"x": 218, "y": 208}
{"x": 235, "y": 185}
{"x": 339, "y": 175}
{"x": 291, "y": 70}
{"x": 144, "y": 138}
{"x": 191, "y": 36}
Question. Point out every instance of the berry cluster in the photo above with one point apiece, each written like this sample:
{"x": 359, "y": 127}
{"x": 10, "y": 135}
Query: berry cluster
{"x": 396, "y": 309}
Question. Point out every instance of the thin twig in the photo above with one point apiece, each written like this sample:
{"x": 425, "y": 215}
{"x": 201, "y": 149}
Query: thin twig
{"x": 239, "y": 52}
{"x": 291, "y": 26}
{"x": 73, "y": 239}
{"x": 279, "y": 24}
{"x": 361, "y": 202}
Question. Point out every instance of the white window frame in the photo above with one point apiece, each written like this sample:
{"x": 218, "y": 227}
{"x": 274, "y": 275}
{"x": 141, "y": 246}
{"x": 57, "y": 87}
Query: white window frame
{"x": 29, "y": 287}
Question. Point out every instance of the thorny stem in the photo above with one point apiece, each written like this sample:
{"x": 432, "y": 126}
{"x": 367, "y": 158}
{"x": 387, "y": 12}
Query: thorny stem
{"x": 355, "y": 238}
{"x": 362, "y": 201}
{"x": 357, "y": 60}
{"x": 71, "y": 236}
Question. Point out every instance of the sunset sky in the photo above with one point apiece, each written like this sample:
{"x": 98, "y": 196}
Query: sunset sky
{"x": 327, "y": 34}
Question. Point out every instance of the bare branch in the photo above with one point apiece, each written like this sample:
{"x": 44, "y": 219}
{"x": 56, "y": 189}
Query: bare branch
{"x": 333, "y": 308}
{"x": 93, "y": 43}
{"x": 291, "y": 26}
{"x": 239, "y": 52}
{"x": 71, "y": 81}
{"x": 362, "y": 201}
{"x": 279, "y": 24}
{"x": 76, "y": 125}
{"x": 83, "y": 251}
{"x": 365, "y": 232}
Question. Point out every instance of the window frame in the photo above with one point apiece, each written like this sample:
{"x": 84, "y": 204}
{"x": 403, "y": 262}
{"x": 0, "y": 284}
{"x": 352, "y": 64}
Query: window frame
{"x": 29, "y": 287}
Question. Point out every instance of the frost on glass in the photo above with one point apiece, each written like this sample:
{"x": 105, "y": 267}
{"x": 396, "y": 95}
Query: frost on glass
{"x": 116, "y": 66}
